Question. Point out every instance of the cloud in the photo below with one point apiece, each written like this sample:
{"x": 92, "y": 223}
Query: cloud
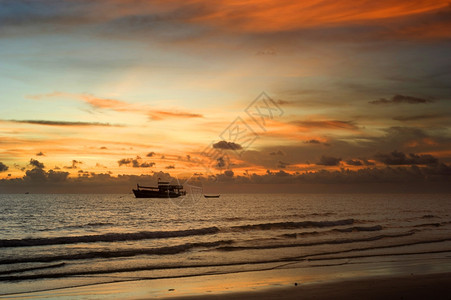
{"x": 327, "y": 124}
{"x": 417, "y": 117}
{"x": 278, "y": 152}
{"x": 227, "y": 145}
{"x": 40, "y": 154}
{"x": 181, "y": 20}
{"x": 329, "y": 161}
{"x": 122, "y": 106}
{"x": 99, "y": 103}
{"x": 161, "y": 115}
{"x": 397, "y": 99}
{"x": 150, "y": 154}
{"x": 354, "y": 162}
{"x": 399, "y": 158}
{"x": 229, "y": 173}
{"x": 135, "y": 163}
{"x": 61, "y": 123}
{"x": 220, "y": 162}
{"x": 282, "y": 165}
{"x": 146, "y": 165}
{"x": 3, "y": 167}
{"x": 170, "y": 167}
{"x": 74, "y": 165}
{"x": 36, "y": 164}
{"x": 312, "y": 141}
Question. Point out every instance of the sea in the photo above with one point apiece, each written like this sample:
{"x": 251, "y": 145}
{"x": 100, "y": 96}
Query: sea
{"x": 50, "y": 242}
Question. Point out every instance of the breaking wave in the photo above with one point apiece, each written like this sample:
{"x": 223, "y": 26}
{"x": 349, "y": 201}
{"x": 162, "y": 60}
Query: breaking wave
{"x": 294, "y": 225}
{"x": 118, "y": 253}
{"x": 108, "y": 237}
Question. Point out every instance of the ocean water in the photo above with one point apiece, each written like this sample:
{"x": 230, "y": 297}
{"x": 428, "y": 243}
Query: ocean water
{"x": 57, "y": 241}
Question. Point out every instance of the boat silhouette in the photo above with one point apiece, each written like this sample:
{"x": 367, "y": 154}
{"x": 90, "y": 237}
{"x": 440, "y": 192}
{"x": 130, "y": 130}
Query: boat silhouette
{"x": 163, "y": 190}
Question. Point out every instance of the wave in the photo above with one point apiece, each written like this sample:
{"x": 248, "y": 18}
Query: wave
{"x": 118, "y": 253}
{"x": 308, "y": 257}
{"x": 327, "y": 242}
{"x": 349, "y": 229}
{"x": 108, "y": 237}
{"x": 294, "y": 225}
{"x": 32, "y": 268}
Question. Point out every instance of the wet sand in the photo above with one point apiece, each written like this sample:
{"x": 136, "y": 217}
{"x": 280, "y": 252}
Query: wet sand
{"x": 432, "y": 286}
{"x": 272, "y": 284}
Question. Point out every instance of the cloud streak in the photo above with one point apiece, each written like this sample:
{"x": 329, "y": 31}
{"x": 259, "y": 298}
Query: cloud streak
{"x": 98, "y": 103}
{"x": 326, "y": 124}
{"x": 400, "y": 158}
{"x": 63, "y": 123}
{"x": 398, "y": 99}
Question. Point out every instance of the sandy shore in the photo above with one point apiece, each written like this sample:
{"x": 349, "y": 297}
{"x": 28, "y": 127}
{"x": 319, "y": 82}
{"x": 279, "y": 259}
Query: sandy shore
{"x": 272, "y": 284}
{"x": 433, "y": 286}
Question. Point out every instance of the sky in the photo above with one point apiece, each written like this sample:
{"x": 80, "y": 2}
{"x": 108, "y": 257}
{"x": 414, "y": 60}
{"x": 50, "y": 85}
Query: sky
{"x": 249, "y": 95}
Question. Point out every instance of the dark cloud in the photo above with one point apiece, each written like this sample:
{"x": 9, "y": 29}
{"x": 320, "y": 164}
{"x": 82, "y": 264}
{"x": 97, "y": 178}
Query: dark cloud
{"x": 397, "y": 99}
{"x": 229, "y": 173}
{"x": 61, "y": 123}
{"x": 312, "y": 141}
{"x": 125, "y": 161}
{"x": 103, "y": 148}
{"x": 354, "y": 162}
{"x": 40, "y": 154}
{"x": 400, "y": 158}
{"x": 221, "y": 163}
{"x": 328, "y": 124}
{"x": 227, "y": 145}
{"x": 329, "y": 161}
{"x": 417, "y": 117}
{"x": 170, "y": 167}
{"x": 150, "y": 154}
{"x": 74, "y": 165}
{"x": 35, "y": 163}
{"x": 367, "y": 163}
{"x": 147, "y": 165}
{"x": 3, "y": 167}
{"x": 282, "y": 165}
{"x": 135, "y": 162}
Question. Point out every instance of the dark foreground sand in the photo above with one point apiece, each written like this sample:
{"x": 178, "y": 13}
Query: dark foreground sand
{"x": 434, "y": 286}
{"x": 431, "y": 286}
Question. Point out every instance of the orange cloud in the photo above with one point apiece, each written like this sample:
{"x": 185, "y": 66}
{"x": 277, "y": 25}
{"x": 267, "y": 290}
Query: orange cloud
{"x": 113, "y": 104}
{"x": 286, "y": 15}
{"x": 327, "y": 124}
{"x": 159, "y": 115}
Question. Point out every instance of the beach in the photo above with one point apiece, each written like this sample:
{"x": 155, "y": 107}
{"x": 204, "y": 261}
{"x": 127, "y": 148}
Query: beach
{"x": 417, "y": 277}
{"x": 429, "y": 286}
{"x": 119, "y": 247}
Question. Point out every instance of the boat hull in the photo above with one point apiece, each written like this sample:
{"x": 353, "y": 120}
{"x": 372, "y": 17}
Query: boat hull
{"x": 154, "y": 194}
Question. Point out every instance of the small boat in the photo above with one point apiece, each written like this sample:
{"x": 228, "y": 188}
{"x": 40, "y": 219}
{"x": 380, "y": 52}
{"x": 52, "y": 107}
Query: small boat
{"x": 164, "y": 190}
{"x": 212, "y": 196}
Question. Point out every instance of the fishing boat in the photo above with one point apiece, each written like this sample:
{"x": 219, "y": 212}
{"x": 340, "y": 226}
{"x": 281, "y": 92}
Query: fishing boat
{"x": 163, "y": 190}
{"x": 212, "y": 196}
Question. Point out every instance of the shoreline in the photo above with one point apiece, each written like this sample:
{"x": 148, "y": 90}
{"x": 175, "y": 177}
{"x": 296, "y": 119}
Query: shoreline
{"x": 429, "y": 286}
{"x": 411, "y": 279}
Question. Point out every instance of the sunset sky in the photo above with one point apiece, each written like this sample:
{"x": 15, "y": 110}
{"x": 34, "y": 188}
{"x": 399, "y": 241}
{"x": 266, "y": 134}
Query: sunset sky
{"x": 107, "y": 90}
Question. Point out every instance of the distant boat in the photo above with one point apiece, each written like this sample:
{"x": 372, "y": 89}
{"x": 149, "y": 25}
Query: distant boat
{"x": 212, "y": 196}
{"x": 164, "y": 190}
